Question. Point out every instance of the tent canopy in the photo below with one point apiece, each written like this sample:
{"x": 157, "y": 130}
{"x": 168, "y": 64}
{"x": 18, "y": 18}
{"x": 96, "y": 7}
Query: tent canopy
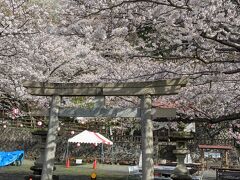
{"x": 90, "y": 137}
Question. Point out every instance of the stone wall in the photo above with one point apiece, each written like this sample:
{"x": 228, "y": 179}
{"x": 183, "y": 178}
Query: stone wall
{"x": 121, "y": 152}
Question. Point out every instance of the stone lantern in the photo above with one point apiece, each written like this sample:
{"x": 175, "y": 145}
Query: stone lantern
{"x": 38, "y": 164}
{"x": 181, "y": 137}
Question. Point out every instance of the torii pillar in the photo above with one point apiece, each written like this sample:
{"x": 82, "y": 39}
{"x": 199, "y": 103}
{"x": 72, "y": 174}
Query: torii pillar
{"x": 147, "y": 138}
{"x": 142, "y": 89}
{"x": 49, "y": 156}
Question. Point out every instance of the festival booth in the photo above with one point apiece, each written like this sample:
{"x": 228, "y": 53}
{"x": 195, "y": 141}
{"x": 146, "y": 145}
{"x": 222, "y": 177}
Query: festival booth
{"x": 89, "y": 137}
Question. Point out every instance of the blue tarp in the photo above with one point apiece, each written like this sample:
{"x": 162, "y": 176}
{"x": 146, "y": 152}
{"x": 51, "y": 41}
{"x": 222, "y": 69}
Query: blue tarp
{"x": 7, "y": 158}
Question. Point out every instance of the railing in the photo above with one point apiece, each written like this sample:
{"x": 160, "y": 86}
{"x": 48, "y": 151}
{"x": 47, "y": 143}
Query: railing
{"x": 125, "y": 139}
{"x": 160, "y": 139}
{"x": 214, "y": 141}
{"x": 137, "y": 139}
{"x": 227, "y": 173}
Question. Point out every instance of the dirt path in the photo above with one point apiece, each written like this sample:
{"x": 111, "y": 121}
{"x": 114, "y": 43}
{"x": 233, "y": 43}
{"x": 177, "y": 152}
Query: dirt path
{"x": 81, "y": 172}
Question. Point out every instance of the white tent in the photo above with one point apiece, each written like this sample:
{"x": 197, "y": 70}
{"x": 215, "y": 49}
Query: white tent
{"x": 90, "y": 138}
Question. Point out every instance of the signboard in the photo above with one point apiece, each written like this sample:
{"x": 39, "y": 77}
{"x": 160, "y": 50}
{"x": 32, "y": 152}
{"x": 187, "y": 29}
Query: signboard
{"x": 214, "y": 155}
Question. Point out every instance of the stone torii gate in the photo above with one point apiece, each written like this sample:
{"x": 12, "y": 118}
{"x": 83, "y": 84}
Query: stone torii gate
{"x": 142, "y": 89}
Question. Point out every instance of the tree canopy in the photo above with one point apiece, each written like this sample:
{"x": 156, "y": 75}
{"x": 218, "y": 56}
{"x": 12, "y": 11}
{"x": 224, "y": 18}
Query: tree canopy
{"x": 127, "y": 40}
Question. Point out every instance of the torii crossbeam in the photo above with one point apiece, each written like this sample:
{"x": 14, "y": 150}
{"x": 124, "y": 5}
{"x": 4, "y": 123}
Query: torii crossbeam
{"x": 142, "y": 89}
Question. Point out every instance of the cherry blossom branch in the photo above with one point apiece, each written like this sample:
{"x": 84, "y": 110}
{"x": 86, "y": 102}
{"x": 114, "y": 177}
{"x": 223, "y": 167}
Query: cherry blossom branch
{"x": 57, "y": 67}
{"x": 170, "y": 4}
{"x": 163, "y": 58}
{"x": 221, "y": 41}
{"x": 184, "y": 57}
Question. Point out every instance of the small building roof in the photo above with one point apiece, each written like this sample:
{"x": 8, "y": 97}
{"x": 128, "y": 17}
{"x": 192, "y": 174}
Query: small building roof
{"x": 203, "y": 146}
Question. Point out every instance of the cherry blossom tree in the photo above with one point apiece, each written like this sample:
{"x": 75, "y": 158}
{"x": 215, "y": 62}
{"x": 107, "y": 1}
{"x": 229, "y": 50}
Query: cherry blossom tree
{"x": 128, "y": 40}
{"x": 20, "y": 22}
{"x": 167, "y": 39}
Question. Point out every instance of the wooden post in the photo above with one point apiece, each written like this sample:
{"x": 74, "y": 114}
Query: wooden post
{"x": 102, "y": 154}
{"x": 202, "y": 160}
{"x": 147, "y": 138}
{"x": 49, "y": 156}
{"x": 226, "y": 165}
{"x": 157, "y": 160}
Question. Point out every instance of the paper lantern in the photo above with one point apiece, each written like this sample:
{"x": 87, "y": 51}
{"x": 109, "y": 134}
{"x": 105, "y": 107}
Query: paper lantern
{"x": 39, "y": 123}
{"x": 82, "y": 122}
{"x": 15, "y": 111}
